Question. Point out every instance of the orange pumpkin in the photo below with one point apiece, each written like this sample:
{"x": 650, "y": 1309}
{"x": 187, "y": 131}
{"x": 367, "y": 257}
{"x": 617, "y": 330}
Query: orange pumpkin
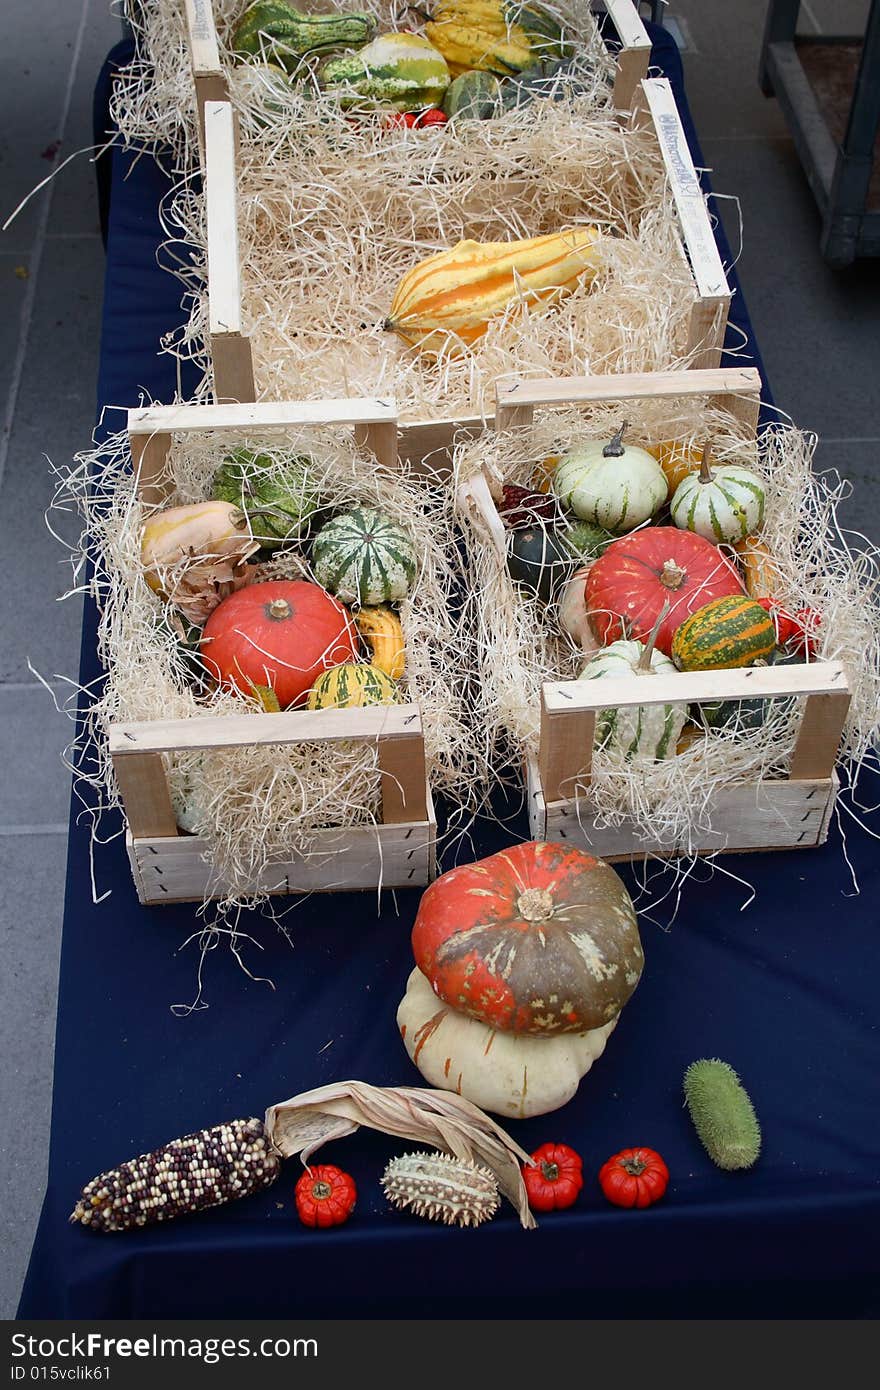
{"x": 281, "y": 634}
{"x": 676, "y": 460}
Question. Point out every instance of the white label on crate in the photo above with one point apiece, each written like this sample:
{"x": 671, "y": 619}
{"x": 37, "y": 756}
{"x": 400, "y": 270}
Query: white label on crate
{"x": 686, "y": 190}
{"x": 202, "y": 35}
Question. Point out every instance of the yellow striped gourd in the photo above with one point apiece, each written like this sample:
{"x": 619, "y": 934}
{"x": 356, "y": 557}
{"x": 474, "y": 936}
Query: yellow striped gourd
{"x": 350, "y": 685}
{"x": 728, "y": 632}
{"x": 453, "y": 295}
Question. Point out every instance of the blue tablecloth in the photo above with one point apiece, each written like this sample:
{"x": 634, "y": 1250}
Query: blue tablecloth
{"x": 785, "y": 991}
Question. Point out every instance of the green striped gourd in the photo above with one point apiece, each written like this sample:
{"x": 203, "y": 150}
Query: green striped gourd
{"x": 728, "y": 632}
{"x": 286, "y": 35}
{"x": 351, "y": 685}
{"x": 611, "y": 484}
{"x": 362, "y": 556}
{"x": 473, "y": 96}
{"x": 724, "y": 504}
{"x": 402, "y": 71}
{"x": 652, "y": 731}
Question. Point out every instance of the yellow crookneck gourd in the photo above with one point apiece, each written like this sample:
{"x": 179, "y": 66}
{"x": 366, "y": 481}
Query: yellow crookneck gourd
{"x": 447, "y": 301}
{"x": 498, "y": 36}
{"x": 381, "y": 629}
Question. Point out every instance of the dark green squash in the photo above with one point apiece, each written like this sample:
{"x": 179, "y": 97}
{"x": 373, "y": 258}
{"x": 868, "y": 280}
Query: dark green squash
{"x": 743, "y": 715}
{"x": 473, "y": 96}
{"x": 585, "y": 540}
{"x": 539, "y": 560}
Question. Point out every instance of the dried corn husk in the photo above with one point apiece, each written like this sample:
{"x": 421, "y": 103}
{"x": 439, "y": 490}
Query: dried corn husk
{"x": 438, "y": 1118}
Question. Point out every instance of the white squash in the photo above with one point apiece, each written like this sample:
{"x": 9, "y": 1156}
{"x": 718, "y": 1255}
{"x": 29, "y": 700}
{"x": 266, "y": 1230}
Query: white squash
{"x": 571, "y": 611}
{"x": 650, "y": 730}
{"x": 611, "y": 484}
{"x": 724, "y": 504}
{"x": 511, "y": 1074}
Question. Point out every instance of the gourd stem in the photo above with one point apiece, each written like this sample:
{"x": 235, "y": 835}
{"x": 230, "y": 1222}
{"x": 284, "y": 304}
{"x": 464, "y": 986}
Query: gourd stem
{"x": 634, "y": 1166}
{"x": 321, "y": 1190}
{"x": 278, "y": 609}
{"x": 644, "y": 667}
{"x": 705, "y": 470}
{"x": 550, "y": 1171}
{"x": 535, "y": 905}
{"x": 672, "y": 576}
{"x": 614, "y": 449}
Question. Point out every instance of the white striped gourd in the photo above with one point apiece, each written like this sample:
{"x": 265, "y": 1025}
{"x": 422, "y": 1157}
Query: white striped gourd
{"x": 650, "y": 730}
{"x": 723, "y": 504}
{"x": 610, "y": 484}
{"x": 363, "y": 556}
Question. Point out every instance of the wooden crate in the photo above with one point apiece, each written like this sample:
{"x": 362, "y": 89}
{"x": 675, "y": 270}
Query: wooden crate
{"x": 211, "y": 84}
{"x": 170, "y": 865}
{"x": 789, "y": 813}
{"x": 420, "y": 440}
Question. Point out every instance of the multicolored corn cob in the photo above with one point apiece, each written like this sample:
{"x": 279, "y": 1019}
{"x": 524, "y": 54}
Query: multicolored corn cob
{"x": 201, "y": 1170}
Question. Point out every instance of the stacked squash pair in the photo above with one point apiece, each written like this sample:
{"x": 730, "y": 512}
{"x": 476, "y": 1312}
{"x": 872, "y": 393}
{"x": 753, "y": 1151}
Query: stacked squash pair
{"x": 283, "y": 642}
{"x": 524, "y": 961}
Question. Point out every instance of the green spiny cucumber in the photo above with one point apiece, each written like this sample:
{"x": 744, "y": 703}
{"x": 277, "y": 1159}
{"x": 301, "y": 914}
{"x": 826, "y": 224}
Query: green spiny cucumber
{"x": 722, "y": 1113}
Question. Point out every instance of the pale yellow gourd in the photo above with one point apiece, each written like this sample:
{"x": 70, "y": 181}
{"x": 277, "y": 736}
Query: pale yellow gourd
{"x": 511, "y": 1074}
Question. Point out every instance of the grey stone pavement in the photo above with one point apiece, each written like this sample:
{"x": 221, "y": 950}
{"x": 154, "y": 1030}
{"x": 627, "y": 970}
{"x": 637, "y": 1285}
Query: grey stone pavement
{"x": 817, "y": 328}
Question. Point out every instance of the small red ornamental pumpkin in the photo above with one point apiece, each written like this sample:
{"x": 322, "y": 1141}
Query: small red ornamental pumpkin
{"x": 628, "y": 585}
{"x": 280, "y": 634}
{"x": 541, "y": 938}
{"x": 555, "y": 1178}
{"x": 634, "y": 1178}
{"x": 325, "y": 1195}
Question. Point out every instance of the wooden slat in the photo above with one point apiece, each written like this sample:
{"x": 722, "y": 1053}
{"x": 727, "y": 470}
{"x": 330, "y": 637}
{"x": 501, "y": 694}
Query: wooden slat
{"x": 233, "y": 363}
{"x": 221, "y": 198}
{"x": 427, "y": 445}
{"x": 204, "y": 51}
{"x": 343, "y": 860}
{"x": 474, "y": 501}
{"x": 566, "y": 750}
{"x": 720, "y": 383}
{"x": 261, "y": 415}
{"x": 815, "y": 752}
{"x": 143, "y": 786}
{"x": 239, "y": 730}
{"x": 380, "y": 437}
{"x": 209, "y": 76}
{"x": 149, "y": 453}
{"x": 404, "y": 779}
{"x": 695, "y": 687}
{"x": 635, "y": 52}
{"x": 757, "y": 816}
{"x": 699, "y": 239}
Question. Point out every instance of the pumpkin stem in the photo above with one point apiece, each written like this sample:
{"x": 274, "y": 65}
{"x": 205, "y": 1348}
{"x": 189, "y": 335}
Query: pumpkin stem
{"x": 705, "y": 470}
{"x": 550, "y": 1171}
{"x": 644, "y": 668}
{"x": 635, "y": 1165}
{"x": 535, "y": 905}
{"x": 321, "y": 1190}
{"x": 672, "y": 576}
{"x": 614, "y": 449}
{"x": 278, "y": 609}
